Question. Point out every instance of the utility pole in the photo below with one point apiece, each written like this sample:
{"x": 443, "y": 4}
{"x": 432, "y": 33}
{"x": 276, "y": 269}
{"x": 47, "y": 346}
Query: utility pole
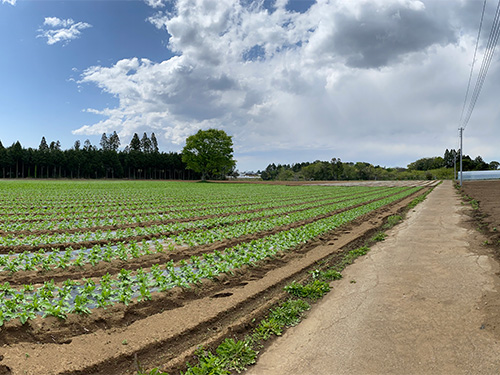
{"x": 461, "y": 145}
{"x": 454, "y": 165}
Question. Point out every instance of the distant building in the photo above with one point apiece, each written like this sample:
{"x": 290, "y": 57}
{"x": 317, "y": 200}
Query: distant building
{"x": 249, "y": 175}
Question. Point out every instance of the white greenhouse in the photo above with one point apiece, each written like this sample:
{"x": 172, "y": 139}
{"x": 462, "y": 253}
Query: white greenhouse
{"x": 480, "y": 175}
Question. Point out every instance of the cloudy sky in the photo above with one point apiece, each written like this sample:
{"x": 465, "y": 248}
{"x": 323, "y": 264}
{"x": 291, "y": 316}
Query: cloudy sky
{"x": 381, "y": 81}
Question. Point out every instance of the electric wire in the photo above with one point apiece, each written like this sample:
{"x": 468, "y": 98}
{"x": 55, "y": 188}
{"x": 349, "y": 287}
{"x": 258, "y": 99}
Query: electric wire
{"x": 485, "y": 65}
{"x": 473, "y": 62}
{"x": 488, "y": 56}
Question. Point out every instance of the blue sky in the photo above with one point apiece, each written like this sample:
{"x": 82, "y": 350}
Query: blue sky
{"x": 381, "y": 81}
{"x": 40, "y": 94}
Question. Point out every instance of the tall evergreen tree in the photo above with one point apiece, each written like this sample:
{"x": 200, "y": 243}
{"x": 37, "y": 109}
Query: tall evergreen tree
{"x": 135, "y": 143}
{"x": 43, "y": 145}
{"x": 154, "y": 143}
{"x": 55, "y": 145}
{"x": 16, "y": 152}
{"x": 114, "y": 141}
{"x": 104, "y": 142}
{"x": 87, "y": 146}
{"x": 145, "y": 144}
{"x": 449, "y": 158}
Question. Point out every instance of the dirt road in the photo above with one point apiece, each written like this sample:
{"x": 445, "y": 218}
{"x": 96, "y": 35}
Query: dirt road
{"x": 416, "y": 304}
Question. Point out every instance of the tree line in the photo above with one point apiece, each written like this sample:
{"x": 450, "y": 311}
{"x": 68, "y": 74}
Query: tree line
{"x": 140, "y": 159}
{"x": 425, "y": 168}
{"x": 448, "y": 161}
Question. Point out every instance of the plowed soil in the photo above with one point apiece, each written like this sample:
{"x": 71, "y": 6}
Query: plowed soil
{"x": 487, "y": 194}
{"x": 165, "y": 331}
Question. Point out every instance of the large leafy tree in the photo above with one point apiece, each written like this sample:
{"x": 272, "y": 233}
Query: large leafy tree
{"x": 209, "y": 152}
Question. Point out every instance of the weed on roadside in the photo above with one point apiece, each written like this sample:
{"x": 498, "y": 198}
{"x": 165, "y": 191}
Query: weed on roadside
{"x": 313, "y": 290}
{"x": 328, "y": 275}
{"x": 380, "y": 236}
{"x": 392, "y": 221}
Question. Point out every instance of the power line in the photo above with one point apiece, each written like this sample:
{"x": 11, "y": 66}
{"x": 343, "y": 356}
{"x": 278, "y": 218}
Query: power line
{"x": 473, "y": 62}
{"x": 488, "y": 56}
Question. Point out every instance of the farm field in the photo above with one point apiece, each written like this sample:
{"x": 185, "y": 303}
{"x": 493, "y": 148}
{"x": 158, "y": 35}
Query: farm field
{"x": 97, "y": 277}
{"x": 485, "y": 200}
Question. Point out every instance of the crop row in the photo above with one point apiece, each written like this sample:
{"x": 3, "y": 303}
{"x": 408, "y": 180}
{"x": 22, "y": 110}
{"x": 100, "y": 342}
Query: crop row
{"x": 110, "y": 235}
{"x": 92, "y": 210}
{"x": 69, "y": 199}
{"x": 174, "y": 213}
{"x": 81, "y": 297}
{"x": 206, "y": 232}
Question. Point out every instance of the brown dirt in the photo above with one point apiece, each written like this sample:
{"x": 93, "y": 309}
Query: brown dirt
{"x": 167, "y": 330}
{"x": 487, "y": 194}
{"x": 486, "y": 224}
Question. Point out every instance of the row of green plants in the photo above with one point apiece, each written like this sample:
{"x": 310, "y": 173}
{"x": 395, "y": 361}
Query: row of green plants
{"x": 76, "y": 198}
{"x": 120, "y": 218}
{"x": 81, "y": 297}
{"x": 168, "y": 210}
{"x": 209, "y": 231}
{"x": 94, "y": 211}
{"x": 228, "y": 214}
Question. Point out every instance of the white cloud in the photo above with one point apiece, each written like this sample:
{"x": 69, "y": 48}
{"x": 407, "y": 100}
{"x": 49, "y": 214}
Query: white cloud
{"x": 57, "y": 22}
{"x": 11, "y": 2}
{"x": 59, "y": 30}
{"x": 357, "y": 79}
{"x": 156, "y": 3}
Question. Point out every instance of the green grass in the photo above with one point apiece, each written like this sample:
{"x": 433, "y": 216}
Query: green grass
{"x": 474, "y": 203}
{"x": 313, "y": 290}
{"x": 328, "y": 275}
{"x": 380, "y": 236}
{"x": 392, "y": 221}
{"x": 350, "y": 257}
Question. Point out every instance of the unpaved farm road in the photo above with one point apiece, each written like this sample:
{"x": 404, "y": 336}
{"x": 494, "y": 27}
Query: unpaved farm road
{"x": 413, "y": 305}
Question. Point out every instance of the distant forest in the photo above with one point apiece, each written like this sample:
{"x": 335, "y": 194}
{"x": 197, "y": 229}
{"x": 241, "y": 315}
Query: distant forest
{"x": 426, "y": 168}
{"x": 141, "y": 159}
